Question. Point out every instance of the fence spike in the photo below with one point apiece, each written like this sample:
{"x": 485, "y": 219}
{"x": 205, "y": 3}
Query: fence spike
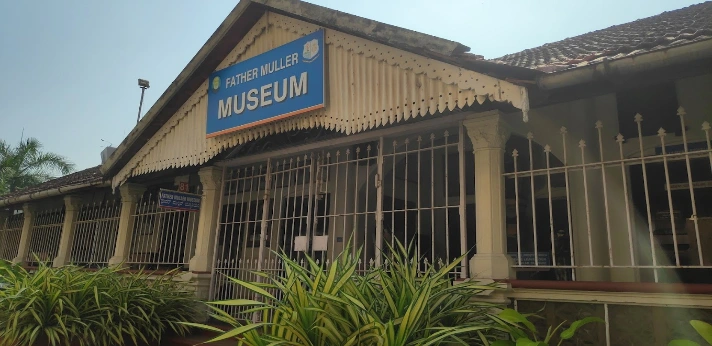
{"x": 681, "y": 111}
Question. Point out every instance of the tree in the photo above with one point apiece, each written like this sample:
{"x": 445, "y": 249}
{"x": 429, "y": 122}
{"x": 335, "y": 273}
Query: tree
{"x": 26, "y": 165}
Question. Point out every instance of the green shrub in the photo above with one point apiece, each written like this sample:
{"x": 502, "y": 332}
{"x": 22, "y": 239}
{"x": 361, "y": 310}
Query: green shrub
{"x": 704, "y": 329}
{"x": 68, "y": 305}
{"x": 523, "y": 333}
{"x": 396, "y": 305}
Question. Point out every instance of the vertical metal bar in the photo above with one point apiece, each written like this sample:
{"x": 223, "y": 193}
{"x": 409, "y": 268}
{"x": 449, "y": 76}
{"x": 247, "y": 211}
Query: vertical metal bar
{"x": 463, "y": 198}
{"x": 582, "y": 145}
{"x": 335, "y": 202}
{"x": 681, "y": 112}
{"x": 312, "y": 185}
{"x": 420, "y": 166}
{"x": 354, "y": 227}
{"x": 379, "y": 203}
{"x": 547, "y": 152}
{"x": 638, "y": 119}
{"x": 563, "y": 132}
{"x": 393, "y": 193}
{"x": 405, "y": 206}
{"x": 432, "y": 198}
{"x": 515, "y": 156}
{"x": 706, "y": 128}
{"x": 530, "y": 137}
{"x": 367, "y": 209}
{"x": 608, "y": 324}
{"x": 218, "y": 224}
{"x": 662, "y": 134}
{"x": 599, "y": 127}
{"x": 447, "y": 202}
{"x": 624, "y": 175}
{"x": 346, "y": 187}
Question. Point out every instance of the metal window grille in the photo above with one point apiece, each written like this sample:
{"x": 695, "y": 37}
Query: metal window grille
{"x": 95, "y": 234}
{"x": 318, "y": 202}
{"x": 45, "y": 236}
{"x": 161, "y": 238}
{"x": 640, "y": 203}
{"x": 10, "y": 236}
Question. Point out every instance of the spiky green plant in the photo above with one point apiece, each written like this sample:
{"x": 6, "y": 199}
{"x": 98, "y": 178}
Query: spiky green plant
{"x": 68, "y": 305}
{"x": 396, "y": 305}
{"x": 702, "y": 328}
{"x": 523, "y": 333}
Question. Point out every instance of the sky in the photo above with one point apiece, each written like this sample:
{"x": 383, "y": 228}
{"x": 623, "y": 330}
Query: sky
{"x": 69, "y": 69}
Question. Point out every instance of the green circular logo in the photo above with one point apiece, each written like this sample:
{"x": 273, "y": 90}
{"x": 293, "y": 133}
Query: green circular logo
{"x": 216, "y": 83}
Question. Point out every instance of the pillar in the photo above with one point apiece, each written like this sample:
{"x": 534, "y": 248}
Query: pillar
{"x": 130, "y": 195}
{"x": 211, "y": 179}
{"x": 71, "y": 212}
{"x": 28, "y": 211}
{"x": 201, "y": 264}
{"x": 489, "y": 134}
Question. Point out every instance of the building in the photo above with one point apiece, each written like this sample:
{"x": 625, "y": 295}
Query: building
{"x": 578, "y": 174}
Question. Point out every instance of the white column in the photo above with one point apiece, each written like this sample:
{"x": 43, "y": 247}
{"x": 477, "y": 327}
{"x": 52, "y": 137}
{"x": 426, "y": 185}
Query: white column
{"x": 211, "y": 179}
{"x": 130, "y": 195}
{"x": 489, "y": 134}
{"x": 29, "y": 212}
{"x": 71, "y": 211}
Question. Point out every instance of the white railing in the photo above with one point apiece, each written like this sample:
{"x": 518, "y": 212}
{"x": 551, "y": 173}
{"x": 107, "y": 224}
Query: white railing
{"x": 95, "y": 234}
{"x": 626, "y": 322}
{"x": 639, "y": 204}
{"x": 45, "y": 236}
{"x": 10, "y": 234}
{"x": 315, "y": 203}
{"x": 161, "y": 238}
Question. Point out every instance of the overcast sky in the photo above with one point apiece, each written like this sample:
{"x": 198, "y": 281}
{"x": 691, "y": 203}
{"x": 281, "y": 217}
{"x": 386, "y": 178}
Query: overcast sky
{"x": 68, "y": 69}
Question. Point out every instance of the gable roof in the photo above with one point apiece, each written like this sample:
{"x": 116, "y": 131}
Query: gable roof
{"x": 246, "y": 14}
{"x": 672, "y": 28}
{"x": 88, "y": 177}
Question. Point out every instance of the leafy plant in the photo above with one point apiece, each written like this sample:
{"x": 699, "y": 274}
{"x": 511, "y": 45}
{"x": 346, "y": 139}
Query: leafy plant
{"x": 395, "y": 305}
{"x": 702, "y": 328}
{"x": 523, "y": 333}
{"x": 26, "y": 165}
{"x": 68, "y": 305}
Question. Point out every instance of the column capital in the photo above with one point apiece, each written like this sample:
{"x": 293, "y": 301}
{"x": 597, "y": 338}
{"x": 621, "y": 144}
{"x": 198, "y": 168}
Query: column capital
{"x": 72, "y": 202}
{"x": 131, "y": 192}
{"x": 488, "y": 130}
{"x": 28, "y": 209}
{"x": 210, "y": 177}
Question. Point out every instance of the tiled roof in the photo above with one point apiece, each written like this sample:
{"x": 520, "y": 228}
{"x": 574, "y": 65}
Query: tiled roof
{"x": 672, "y": 28}
{"x": 87, "y": 176}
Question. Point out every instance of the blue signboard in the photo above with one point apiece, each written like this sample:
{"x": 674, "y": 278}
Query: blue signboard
{"x": 282, "y": 82}
{"x": 176, "y": 200}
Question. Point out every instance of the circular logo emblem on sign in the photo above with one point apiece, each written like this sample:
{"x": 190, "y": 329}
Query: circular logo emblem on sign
{"x": 216, "y": 83}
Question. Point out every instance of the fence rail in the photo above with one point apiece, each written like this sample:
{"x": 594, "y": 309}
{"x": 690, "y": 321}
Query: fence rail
{"x": 161, "y": 238}
{"x": 10, "y": 234}
{"x": 410, "y": 189}
{"x": 45, "y": 236}
{"x": 585, "y": 208}
{"x": 95, "y": 234}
